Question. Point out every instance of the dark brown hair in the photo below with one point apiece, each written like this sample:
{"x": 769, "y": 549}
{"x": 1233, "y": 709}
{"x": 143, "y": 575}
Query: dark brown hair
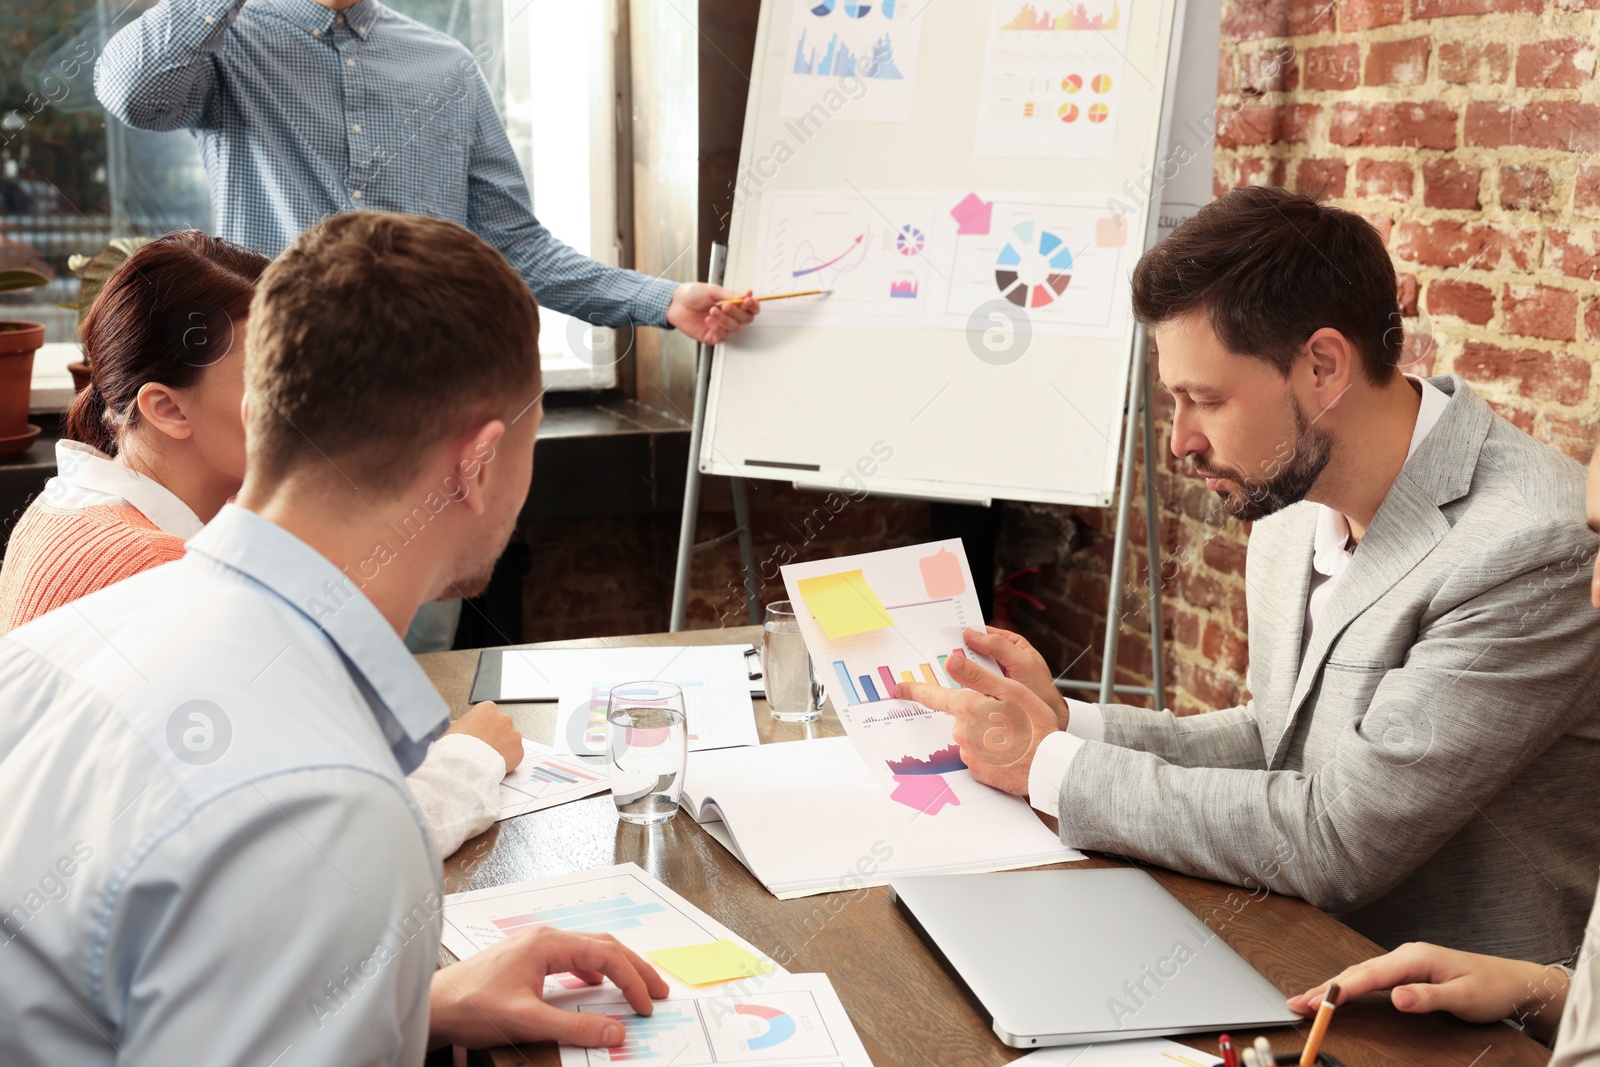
{"x": 373, "y": 337}
{"x": 166, "y": 314}
{"x": 1270, "y": 268}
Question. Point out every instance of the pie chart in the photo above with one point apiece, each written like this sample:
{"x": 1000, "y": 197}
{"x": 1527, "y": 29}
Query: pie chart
{"x": 1099, "y": 112}
{"x": 1067, "y": 112}
{"x": 1072, "y": 83}
{"x": 856, "y": 10}
{"x": 1101, "y": 83}
{"x": 909, "y": 240}
{"x": 1033, "y": 271}
{"x": 824, "y": 8}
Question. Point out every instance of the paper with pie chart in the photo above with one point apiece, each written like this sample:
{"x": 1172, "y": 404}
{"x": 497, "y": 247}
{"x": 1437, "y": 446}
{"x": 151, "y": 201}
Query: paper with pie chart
{"x": 879, "y": 254}
{"x": 1052, "y": 79}
{"x": 851, "y": 61}
{"x": 793, "y": 1019}
{"x": 1064, "y": 261}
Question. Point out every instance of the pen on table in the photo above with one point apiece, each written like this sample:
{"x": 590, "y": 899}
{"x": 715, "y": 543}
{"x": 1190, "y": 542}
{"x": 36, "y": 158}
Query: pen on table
{"x": 774, "y": 296}
{"x": 1319, "y": 1027}
{"x": 1264, "y": 1054}
{"x": 1225, "y": 1046}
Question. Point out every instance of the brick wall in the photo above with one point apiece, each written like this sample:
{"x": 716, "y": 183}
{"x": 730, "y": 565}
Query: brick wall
{"x": 1468, "y": 132}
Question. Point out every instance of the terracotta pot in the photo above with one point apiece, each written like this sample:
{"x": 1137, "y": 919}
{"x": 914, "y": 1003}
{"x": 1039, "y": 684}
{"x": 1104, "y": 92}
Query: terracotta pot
{"x": 18, "y": 342}
{"x": 81, "y": 376}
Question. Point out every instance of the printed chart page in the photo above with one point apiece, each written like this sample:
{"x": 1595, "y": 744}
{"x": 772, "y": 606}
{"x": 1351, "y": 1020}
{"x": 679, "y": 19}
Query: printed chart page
{"x": 718, "y": 716}
{"x": 791, "y": 1019}
{"x": 543, "y": 780}
{"x": 535, "y": 674}
{"x": 624, "y": 901}
{"x": 809, "y": 817}
{"x": 877, "y": 619}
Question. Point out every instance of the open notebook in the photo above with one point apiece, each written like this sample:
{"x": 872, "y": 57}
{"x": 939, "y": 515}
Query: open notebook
{"x": 810, "y": 817}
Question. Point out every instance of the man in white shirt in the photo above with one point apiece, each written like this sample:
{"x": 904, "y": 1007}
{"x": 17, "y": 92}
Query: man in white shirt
{"x": 1417, "y": 754}
{"x": 209, "y": 853}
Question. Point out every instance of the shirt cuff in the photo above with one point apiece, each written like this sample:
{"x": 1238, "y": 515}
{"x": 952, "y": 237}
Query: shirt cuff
{"x": 651, "y": 303}
{"x": 1085, "y": 720}
{"x": 1050, "y": 762}
{"x": 457, "y": 788}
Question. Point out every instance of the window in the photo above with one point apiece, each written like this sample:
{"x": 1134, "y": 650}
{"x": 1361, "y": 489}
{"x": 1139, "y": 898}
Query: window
{"x": 71, "y": 178}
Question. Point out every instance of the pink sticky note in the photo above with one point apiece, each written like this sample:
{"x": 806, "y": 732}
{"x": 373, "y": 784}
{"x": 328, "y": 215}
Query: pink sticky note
{"x": 926, "y": 793}
{"x": 941, "y": 574}
{"x": 1111, "y": 232}
{"x": 972, "y": 215}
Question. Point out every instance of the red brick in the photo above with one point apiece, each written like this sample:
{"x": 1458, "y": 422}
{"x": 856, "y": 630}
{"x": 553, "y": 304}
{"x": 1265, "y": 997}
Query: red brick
{"x": 1448, "y": 184}
{"x": 1271, "y": 70}
{"x": 1567, "y": 63}
{"x": 1406, "y": 294}
{"x": 1467, "y": 301}
{"x": 1225, "y": 649}
{"x": 1201, "y": 590}
{"x": 1206, "y": 688}
{"x": 1572, "y": 436}
{"x": 1397, "y": 62}
{"x": 1448, "y": 243}
{"x": 1317, "y": 175}
{"x": 1525, "y": 188}
{"x": 1586, "y": 190}
{"x": 1565, "y": 125}
{"x": 1541, "y": 311}
{"x": 1264, "y": 124}
{"x": 1572, "y": 254}
{"x": 1416, "y": 353}
{"x": 1430, "y": 125}
{"x": 1435, "y": 9}
{"x": 1224, "y": 555}
{"x": 1473, "y": 62}
{"x": 1244, "y": 20}
{"x": 1380, "y": 222}
{"x": 1239, "y": 610}
{"x": 1591, "y": 321}
{"x": 1369, "y": 14}
{"x": 1534, "y": 372}
{"x": 1186, "y": 627}
{"x": 1335, "y": 66}
{"x": 1383, "y": 179}
{"x": 1518, "y": 417}
{"x": 1258, "y": 170}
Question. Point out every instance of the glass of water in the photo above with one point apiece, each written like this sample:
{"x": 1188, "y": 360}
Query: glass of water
{"x": 786, "y": 666}
{"x": 647, "y": 746}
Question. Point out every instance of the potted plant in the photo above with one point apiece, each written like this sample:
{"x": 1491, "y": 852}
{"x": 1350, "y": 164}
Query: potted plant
{"x": 18, "y": 342}
{"x": 92, "y": 272}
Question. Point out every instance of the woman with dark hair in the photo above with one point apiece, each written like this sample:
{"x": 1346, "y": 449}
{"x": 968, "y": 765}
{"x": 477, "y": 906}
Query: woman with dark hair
{"x": 154, "y": 447}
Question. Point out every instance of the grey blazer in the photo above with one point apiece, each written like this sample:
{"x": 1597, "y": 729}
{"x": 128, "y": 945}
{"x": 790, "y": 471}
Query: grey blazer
{"x": 1432, "y": 770}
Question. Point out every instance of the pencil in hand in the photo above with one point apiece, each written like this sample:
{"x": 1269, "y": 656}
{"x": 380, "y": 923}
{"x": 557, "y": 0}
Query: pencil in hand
{"x": 1319, "y": 1027}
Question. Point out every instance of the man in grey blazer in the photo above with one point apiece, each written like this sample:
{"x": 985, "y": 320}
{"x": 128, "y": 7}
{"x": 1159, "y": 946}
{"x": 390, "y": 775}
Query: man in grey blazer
{"x": 1419, "y": 752}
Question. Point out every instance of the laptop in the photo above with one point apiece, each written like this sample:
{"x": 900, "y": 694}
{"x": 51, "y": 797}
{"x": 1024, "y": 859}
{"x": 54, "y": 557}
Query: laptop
{"x": 1079, "y": 956}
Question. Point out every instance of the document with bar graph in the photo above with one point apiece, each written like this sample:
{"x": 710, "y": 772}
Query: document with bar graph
{"x": 874, "y": 620}
{"x": 624, "y": 901}
{"x": 544, "y": 779}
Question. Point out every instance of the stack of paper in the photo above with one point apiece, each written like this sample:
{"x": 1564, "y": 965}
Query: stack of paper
{"x": 809, "y": 817}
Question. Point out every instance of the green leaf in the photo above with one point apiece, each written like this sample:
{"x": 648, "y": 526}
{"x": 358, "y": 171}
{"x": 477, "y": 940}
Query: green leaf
{"x": 21, "y": 278}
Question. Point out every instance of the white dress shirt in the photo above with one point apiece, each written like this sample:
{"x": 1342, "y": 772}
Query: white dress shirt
{"x": 1331, "y": 554}
{"x": 458, "y": 785}
{"x": 208, "y": 853}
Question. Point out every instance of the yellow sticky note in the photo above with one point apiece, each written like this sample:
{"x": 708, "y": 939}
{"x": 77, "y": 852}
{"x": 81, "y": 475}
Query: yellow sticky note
{"x": 720, "y": 961}
{"x": 844, "y": 604}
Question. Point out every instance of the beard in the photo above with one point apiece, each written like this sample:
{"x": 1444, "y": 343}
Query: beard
{"x": 473, "y": 580}
{"x": 1289, "y": 484}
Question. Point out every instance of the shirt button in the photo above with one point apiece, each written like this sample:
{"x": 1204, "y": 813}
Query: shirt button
{"x": 209, "y": 19}
{"x": 349, "y": 62}
{"x": 355, "y": 127}
{"x": 355, "y": 194}
{"x": 316, "y": 33}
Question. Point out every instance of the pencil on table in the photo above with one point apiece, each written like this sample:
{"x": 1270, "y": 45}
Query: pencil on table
{"x": 1319, "y": 1027}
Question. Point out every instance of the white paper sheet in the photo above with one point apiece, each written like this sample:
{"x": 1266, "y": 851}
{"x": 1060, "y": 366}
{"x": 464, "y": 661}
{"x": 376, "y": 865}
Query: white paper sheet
{"x": 624, "y": 901}
{"x": 532, "y": 674}
{"x": 718, "y": 717}
{"x": 794, "y": 1019}
{"x": 1156, "y": 1052}
{"x": 543, "y": 780}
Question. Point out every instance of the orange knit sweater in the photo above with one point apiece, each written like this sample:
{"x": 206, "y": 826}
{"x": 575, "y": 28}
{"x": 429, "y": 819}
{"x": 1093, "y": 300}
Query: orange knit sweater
{"x": 56, "y": 555}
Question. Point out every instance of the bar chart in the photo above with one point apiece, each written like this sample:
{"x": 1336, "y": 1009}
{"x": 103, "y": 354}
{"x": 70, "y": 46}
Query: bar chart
{"x": 594, "y": 917}
{"x": 543, "y": 780}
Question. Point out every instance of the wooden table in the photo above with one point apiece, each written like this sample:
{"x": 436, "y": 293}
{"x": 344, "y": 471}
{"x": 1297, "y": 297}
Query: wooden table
{"x": 907, "y": 1007}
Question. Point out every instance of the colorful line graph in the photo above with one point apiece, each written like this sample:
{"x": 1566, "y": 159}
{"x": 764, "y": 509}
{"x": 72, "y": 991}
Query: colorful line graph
{"x": 595, "y": 917}
{"x": 854, "y": 246}
{"x": 904, "y": 289}
{"x": 838, "y": 60}
{"x": 945, "y": 761}
{"x": 1076, "y": 18}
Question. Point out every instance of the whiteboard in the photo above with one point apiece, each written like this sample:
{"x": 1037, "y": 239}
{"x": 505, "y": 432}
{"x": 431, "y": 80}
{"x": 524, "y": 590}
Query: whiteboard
{"x": 976, "y": 214}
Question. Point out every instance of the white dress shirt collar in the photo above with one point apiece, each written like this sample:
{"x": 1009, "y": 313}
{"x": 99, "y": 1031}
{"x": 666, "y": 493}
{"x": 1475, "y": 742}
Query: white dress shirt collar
{"x": 303, "y": 577}
{"x": 1329, "y": 554}
{"x": 86, "y": 476}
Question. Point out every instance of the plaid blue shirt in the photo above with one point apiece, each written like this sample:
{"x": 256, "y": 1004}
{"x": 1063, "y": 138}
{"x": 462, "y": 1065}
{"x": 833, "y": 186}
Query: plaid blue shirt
{"x": 303, "y": 112}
